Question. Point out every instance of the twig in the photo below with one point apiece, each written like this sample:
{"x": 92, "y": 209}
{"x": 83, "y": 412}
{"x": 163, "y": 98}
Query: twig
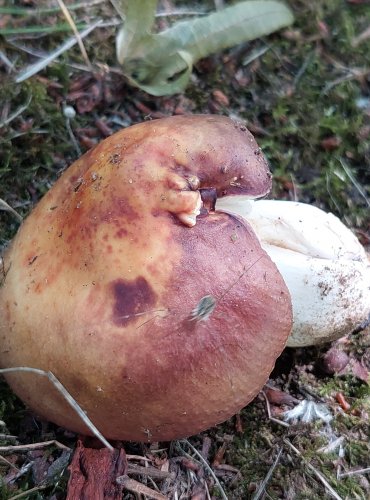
{"x": 71, "y": 22}
{"x": 28, "y": 492}
{"x": 262, "y": 487}
{"x": 352, "y": 74}
{"x": 138, "y": 457}
{"x": 354, "y": 472}
{"x": 34, "y": 446}
{"x": 139, "y": 488}
{"x": 318, "y": 474}
{"x": 361, "y": 37}
{"x": 8, "y": 437}
{"x": 6, "y": 61}
{"x": 331, "y": 446}
{"x": 255, "y": 55}
{"x": 67, "y": 396}
{"x": 206, "y": 464}
{"x": 268, "y": 408}
{"x": 207, "y": 490}
{"x": 16, "y": 113}
{"x": 3, "y": 459}
{"x": 148, "y": 471}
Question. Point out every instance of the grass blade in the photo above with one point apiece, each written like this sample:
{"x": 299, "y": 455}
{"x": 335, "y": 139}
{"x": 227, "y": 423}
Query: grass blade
{"x": 40, "y": 65}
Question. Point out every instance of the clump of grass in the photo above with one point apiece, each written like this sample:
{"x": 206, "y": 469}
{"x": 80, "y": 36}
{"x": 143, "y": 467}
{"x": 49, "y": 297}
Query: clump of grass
{"x": 308, "y": 96}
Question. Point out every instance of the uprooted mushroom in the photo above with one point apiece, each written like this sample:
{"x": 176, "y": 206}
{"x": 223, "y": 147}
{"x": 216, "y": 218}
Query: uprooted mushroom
{"x": 159, "y": 309}
{"x": 322, "y": 262}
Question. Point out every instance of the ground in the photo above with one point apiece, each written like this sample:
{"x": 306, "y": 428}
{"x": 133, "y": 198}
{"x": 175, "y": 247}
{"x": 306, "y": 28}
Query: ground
{"x": 305, "y": 94}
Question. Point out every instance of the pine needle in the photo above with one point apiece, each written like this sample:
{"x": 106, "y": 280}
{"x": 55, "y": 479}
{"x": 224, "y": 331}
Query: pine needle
{"x": 318, "y": 474}
{"x": 261, "y": 489}
{"x": 71, "y": 22}
{"x": 40, "y": 65}
{"x": 8, "y": 208}
{"x": 207, "y": 466}
{"x": 67, "y": 396}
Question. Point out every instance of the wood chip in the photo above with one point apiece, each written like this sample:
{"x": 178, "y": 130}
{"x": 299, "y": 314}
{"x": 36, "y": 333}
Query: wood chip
{"x": 94, "y": 472}
{"x": 137, "y": 488}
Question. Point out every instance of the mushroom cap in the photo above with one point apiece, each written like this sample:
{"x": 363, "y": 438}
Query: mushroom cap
{"x": 159, "y": 324}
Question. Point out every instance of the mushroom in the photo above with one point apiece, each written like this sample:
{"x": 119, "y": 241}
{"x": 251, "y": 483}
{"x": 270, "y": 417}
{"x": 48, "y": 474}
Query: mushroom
{"x": 322, "y": 262}
{"x": 159, "y": 315}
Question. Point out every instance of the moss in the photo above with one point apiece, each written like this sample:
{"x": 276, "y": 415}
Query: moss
{"x": 34, "y": 148}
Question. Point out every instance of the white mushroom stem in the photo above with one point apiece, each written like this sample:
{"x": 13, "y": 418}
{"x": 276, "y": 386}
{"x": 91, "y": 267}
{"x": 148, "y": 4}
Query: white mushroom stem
{"x": 322, "y": 262}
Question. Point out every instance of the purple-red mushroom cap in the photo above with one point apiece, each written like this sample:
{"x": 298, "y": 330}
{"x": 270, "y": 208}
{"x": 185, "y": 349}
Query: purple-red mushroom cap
{"x": 161, "y": 316}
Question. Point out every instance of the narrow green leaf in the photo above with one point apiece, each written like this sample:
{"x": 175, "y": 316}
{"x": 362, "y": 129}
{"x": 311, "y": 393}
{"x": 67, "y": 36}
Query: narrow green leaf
{"x": 161, "y": 63}
{"x": 25, "y": 30}
{"x": 37, "y": 10}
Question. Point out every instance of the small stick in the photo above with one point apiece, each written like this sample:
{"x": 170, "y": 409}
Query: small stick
{"x": 331, "y": 446}
{"x": 3, "y": 459}
{"x": 354, "y": 472}
{"x": 6, "y": 61}
{"x": 361, "y": 37}
{"x": 70, "y": 400}
{"x": 207, "y": 490}
{"x": 138, "y": 457}
{"x": 26, "y": 493}
{"x": 14, "y": 115}
{"x": 8, "y": 437}
{"x": 148, "y": 471}
{"x": 268, "y": 408}
{"x": 318, "y": 474}
{"x": 34, "y": 446}
{"x": 262, "y": 487}
{"x": 139, "y": 488}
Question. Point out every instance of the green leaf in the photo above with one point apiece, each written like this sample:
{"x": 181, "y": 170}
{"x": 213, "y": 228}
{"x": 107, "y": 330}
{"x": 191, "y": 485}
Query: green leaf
{"x": 139, "y": 20}
{"x": 161, "y": 63}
